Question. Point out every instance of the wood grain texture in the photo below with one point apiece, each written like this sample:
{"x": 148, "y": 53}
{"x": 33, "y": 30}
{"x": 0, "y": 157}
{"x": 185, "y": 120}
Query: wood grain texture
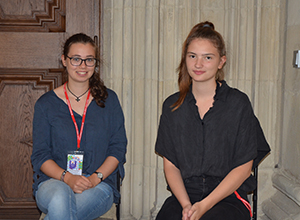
{"x": 30, "y": 50}
{"x": 19, "y": 90}
{"x": 32, "y": 33}
{"x": 33, "y": 16}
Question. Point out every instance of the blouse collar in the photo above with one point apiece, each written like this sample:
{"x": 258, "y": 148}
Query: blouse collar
{"x": 221, "y": 92}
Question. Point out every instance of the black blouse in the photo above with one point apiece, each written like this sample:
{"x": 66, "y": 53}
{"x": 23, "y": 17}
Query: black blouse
{"x": 228, "y": 136}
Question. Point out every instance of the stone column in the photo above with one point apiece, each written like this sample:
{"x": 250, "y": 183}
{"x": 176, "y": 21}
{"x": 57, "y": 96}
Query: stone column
{"x": 130, "y": 51}
{"x": 285, "y": 203}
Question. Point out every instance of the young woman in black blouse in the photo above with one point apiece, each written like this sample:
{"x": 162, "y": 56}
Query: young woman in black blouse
{"x": 208, "y": 136}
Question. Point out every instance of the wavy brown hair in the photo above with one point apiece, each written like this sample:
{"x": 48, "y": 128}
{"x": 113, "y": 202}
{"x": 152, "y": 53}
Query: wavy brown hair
{"x": 96, "y": 85}
{"x": 203, "y": 30}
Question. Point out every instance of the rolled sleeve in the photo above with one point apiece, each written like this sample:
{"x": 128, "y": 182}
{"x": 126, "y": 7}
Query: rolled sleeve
{"x": 41, "y": 138}
{"x": 118, "y": 140}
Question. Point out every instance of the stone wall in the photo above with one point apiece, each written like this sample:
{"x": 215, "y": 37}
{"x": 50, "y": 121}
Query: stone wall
{"x": 285, "y": 203}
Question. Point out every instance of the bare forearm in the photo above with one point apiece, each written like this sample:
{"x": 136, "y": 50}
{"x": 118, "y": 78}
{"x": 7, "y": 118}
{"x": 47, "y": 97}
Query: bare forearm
{"x": 51, "y": 169}
{"x": 108, "y": 166}
{"x": 229, "y": 184}
{"x": 175, "y": 182}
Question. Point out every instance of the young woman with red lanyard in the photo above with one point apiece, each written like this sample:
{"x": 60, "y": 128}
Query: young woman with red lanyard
{"x": 79, "y": 140}
{"x": 208, "y": 136}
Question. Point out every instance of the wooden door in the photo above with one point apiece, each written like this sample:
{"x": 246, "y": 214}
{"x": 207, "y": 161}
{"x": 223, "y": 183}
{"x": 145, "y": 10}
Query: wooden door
{"x": 31, "y": 36}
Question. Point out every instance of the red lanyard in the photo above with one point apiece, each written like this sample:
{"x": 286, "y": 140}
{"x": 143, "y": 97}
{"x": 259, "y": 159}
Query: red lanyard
{"x": 246, "y": 203}
{"x": 73, "y": 118}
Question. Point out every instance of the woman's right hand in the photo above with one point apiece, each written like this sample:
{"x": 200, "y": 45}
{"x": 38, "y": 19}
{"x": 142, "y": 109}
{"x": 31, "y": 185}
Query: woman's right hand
{"x": 175, "y": 181}
{"x": 185, "y": 211}
{"x": 77, "y": 183}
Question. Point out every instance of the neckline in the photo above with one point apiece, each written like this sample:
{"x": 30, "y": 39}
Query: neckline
{"x": 66, "y": 105}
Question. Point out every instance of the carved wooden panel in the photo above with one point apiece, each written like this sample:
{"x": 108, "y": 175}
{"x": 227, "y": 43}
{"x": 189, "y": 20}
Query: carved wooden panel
{"x": 31, "y": 36}
{"x": 19, "y": 90}
{"x": 33, "y": 15}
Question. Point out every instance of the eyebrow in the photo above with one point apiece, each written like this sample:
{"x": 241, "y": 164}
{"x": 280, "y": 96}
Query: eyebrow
{"x": 77, "y": 55}
{"x": 206, "y": 54}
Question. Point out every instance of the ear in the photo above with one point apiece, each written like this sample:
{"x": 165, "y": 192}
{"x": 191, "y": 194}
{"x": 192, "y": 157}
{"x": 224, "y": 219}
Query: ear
{"x": 222, "y": 62}
{"x": 63, "y": 60}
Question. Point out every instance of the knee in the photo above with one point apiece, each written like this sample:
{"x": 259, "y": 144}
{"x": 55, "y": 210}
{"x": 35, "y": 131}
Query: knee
{"x": 62, "y": 205}
{"x": 54, "y": 194}
{"x": 105, "y": 189}
{"x": 61, "y": 198}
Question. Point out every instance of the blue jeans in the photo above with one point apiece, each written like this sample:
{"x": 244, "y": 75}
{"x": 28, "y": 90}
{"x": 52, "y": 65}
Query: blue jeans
{"x": 56, "y": 199}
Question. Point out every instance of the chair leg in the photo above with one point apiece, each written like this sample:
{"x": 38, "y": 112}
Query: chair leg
{"x": 119, "y": 188}
{"x": 254, "y": 197}
{"x": 254, "y": 211}
{"x": 118, "y": 211}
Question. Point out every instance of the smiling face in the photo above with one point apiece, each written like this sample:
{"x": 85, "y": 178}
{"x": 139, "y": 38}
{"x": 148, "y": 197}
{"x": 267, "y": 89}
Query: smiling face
{"x": 80, "y": 73}
{"x": 203, "y": 60}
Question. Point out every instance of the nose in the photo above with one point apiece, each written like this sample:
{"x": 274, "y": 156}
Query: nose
{"x": 83, "y": 64}
{"x": 198, "y": 62}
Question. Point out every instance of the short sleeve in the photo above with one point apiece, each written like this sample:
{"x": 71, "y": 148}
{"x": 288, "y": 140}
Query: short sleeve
{"x": 263, "y": 147}
{"x": 164, "y": 142}
{"x": 250, "y": 142}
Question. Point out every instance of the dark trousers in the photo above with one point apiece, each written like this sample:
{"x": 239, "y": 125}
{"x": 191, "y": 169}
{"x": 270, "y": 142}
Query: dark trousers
{"x": 230, "y": 208}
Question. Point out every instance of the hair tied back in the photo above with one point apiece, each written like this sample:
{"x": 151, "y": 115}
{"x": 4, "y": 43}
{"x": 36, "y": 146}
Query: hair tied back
{"x": 206, "y": 25}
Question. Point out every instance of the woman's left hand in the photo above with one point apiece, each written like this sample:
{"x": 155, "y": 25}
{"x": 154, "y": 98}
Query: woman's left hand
{"x": 94, "y": 179}
{"x": 198, "y": 210}
{"x": 185, "y": 211}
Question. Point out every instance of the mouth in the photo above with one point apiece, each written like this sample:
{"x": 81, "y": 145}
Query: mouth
{"x": 197, "y": 72}
{"x": 81, "y": 73}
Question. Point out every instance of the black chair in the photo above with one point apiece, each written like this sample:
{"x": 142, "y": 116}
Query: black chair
{"x": 254, "y": 195}
{"x": 118, "y": 204}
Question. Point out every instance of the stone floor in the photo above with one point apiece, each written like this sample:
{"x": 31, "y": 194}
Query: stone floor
{"x": 263, "y": 218}
{"x": 104, "y": 218}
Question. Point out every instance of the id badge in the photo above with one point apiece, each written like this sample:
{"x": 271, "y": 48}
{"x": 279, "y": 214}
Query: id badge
{"x": 75, "y": 162}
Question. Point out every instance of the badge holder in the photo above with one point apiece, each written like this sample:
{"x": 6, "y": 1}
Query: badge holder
{"x": 75, "y": 162}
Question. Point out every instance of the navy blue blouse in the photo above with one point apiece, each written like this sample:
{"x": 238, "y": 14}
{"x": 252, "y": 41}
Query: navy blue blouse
{"x": 54, "y": 135}
{"x": 228, "y": 136}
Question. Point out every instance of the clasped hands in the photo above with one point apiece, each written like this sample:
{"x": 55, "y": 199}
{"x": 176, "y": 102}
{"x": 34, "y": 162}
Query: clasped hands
{"x": 194, "y": 212}
{"x": 81, "y": 183}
